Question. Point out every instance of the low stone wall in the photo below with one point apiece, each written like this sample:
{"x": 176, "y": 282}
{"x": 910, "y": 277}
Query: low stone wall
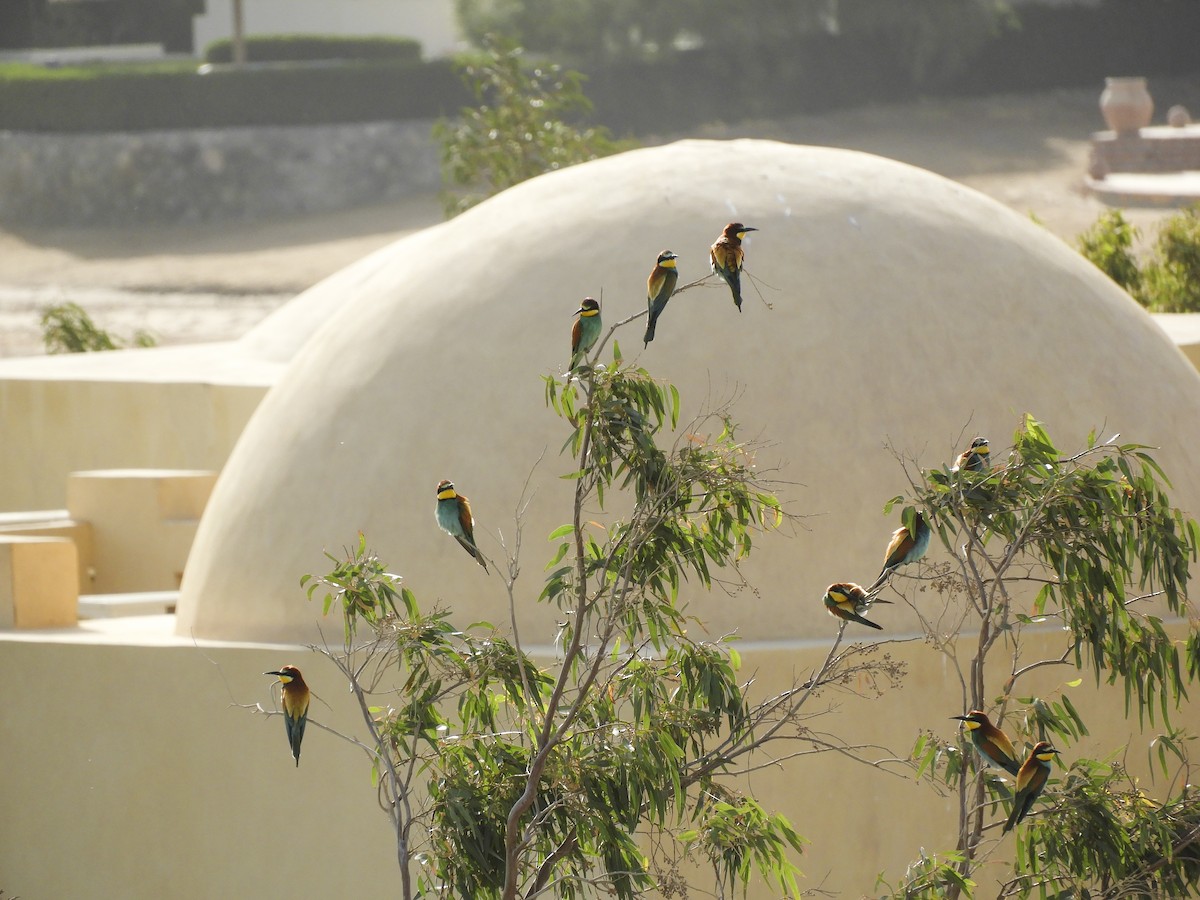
{"x": 1156, "y": 149}
{"x": 210, "y": 174}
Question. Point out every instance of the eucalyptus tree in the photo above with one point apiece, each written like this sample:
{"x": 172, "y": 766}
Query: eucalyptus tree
{"x": 614, "y": 767}
{"x": 1088, "y": 549}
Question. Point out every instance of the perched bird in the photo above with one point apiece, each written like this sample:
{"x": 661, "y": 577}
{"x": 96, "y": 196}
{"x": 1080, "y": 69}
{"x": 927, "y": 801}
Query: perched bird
{"x": 847, "y": 600}
{"x": 454, "y": 517}
{"x": 1031, "y": 778}
{"x": 992, "y": 743}
{"x": 905, "y": 547}
{"x": 975, "y": 457}
{"x": 586, "y": 330}
{"x": 726, "y": 255}
{"x": 295, "y": 706}
{"x": 659, "y": 288}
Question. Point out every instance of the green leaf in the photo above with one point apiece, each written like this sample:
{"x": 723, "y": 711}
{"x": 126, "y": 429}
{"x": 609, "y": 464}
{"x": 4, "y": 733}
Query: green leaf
{"x": 562, "y": 551}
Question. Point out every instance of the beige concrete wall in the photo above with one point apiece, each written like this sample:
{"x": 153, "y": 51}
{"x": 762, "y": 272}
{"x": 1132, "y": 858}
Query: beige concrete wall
{"x": 135, "y": 763}
{"x": 142, "y": 523}
{"x": 54, "y": 425}
{"x": 137, "y": 758}
{"x": 132, "y": 528}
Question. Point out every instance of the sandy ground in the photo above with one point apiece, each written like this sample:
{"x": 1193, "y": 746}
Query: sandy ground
{"x": 213, "y": 282}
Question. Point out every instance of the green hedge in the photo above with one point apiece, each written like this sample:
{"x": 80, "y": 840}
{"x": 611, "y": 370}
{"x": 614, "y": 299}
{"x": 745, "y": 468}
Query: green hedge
{"x": 141, "y": 98}
{"x": 306, "y": 47}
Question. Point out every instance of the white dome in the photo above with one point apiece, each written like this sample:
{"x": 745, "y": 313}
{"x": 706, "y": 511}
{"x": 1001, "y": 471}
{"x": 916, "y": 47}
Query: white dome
{"x": 907, "y": 310}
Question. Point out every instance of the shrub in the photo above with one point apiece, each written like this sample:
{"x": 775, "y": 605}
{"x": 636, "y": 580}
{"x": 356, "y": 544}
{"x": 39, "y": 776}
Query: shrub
{"x": 1108, "y": 244}
{"x": 517, "y": 130}
{"x": 1171, "y": 278}
{"x": 307, "y": 47}
{"x": 67, "y": 328}
{"x": 172, "y": 95}
{"x": 1169, "y": 281}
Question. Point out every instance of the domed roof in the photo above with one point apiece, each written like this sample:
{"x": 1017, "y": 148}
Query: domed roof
{"x": 905, "y": 311}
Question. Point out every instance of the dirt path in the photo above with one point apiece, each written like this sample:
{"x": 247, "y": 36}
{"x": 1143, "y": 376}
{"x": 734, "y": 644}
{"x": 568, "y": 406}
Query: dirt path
{"x": 263, "y": 257}
{"x": 213, "y": 282}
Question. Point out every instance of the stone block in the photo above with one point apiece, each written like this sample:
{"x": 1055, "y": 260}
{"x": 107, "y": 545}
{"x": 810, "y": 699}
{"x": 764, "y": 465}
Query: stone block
{"x": 54, "y": 523}
{"x": 39, "y": 585}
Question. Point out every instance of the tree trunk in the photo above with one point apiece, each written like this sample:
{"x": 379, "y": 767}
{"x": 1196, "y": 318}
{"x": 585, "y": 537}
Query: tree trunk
{"x": 239, "y": 34}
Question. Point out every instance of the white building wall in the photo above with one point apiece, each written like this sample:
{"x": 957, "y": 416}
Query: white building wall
{"x": 431, "y": 22}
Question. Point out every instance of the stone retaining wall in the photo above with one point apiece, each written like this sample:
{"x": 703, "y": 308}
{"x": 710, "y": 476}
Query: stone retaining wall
{"x": 210, "y": 174}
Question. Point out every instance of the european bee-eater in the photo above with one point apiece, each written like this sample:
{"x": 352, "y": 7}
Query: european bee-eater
{"x": 905, "y": 547}
{"x": 1031, "y": 778}
{"x": 586, "y": 330}
{"x": 295, "y": 706}
{"x": 726, "y": 256}
{"x": 659, "y": 288}
{"x": 974, "y": 458}
{"x": 847, "y": 600}
{"x": 454, "y": 517}
{"x": 992, "y": 743}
